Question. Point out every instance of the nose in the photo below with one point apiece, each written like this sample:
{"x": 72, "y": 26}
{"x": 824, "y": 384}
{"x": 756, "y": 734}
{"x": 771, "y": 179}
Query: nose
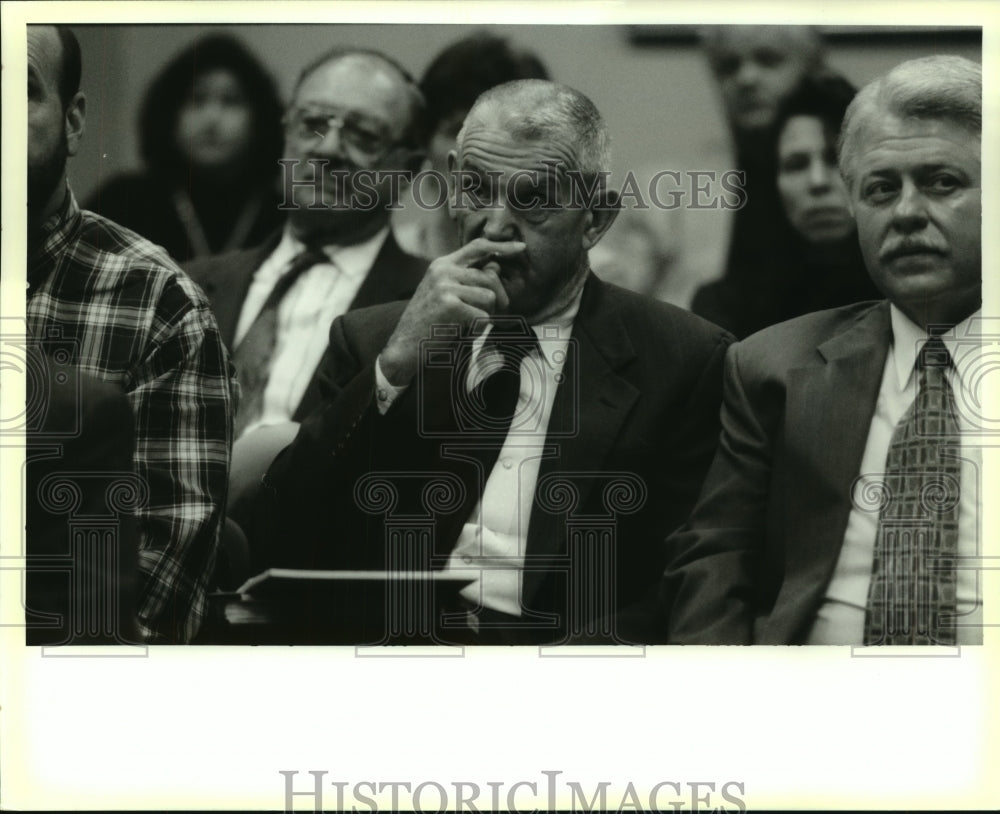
{"x": 748, "y": 73}
{"x": 910, "y": 211}
{"x": 331, "y": 144}
{"x": 499, "y": 223}
{"x": 820, "y": 177}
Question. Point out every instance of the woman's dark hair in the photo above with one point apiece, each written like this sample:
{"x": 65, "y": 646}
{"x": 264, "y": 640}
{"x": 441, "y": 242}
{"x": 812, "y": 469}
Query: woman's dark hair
{"x": 466, "y": 68}
{"x": 169, "y": 91}
{"x": 823, "y": 96}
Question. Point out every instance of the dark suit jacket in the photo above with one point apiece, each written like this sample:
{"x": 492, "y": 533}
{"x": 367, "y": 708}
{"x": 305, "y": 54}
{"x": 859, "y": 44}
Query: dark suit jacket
{"x": 761, "y": 546}
{"x": 226, "y": 278}
{"x": 633, "y": 428}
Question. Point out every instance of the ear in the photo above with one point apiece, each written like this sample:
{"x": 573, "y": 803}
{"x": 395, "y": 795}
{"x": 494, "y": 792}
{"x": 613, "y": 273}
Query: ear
{"x": 600, "y": 217}
{"x": 452, "y": 169}
{"x": 413, "y": 161}
{"x": 75, "y": 121}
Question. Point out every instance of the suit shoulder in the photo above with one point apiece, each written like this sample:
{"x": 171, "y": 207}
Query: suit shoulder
{"x": 648, "y": 315}
{"x": 206, "y": 269}
{"x": 795, "y": 341}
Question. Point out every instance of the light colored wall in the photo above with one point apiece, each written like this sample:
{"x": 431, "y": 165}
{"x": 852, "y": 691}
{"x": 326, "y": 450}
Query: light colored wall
{"x": 660, "y": 102}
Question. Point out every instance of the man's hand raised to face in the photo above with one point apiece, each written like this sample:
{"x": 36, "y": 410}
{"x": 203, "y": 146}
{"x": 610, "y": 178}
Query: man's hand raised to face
{"x": 456, "y": 289}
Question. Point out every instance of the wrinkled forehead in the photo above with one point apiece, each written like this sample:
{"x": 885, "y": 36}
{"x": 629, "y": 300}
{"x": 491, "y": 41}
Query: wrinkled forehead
{"x": 498, "y": 140}
{"x": 44, "y": 51}
{"x": 880, "y": 128}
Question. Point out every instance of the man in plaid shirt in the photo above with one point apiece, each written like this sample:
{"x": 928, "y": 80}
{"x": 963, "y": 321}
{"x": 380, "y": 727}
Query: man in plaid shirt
{"x": 134, "y": 319}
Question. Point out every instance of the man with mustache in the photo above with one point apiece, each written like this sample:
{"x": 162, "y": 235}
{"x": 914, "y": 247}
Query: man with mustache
{"x": 123, "y": 313}
{"x": 517, "y": 422}
{"x": 842, "y": 501}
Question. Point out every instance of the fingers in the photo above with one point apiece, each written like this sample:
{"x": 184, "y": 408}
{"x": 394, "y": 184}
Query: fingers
{"x": 478, "y": 252}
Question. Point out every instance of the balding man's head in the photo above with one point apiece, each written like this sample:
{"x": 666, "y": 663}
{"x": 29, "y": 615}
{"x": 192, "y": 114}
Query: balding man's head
{"x": 353, "y": 113}
{"x": 758, "y": 67}
{"x": 413, "y": 113}
{"x": 55, "y": 116}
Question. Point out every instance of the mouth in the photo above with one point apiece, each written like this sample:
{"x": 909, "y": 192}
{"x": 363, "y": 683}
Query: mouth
{"x": 911, "y": 252}
{"x": 827, "y": 214}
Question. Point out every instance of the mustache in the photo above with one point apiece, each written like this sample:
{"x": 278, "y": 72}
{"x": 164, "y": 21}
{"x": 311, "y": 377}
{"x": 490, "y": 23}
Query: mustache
{"x": 907, "y": 247}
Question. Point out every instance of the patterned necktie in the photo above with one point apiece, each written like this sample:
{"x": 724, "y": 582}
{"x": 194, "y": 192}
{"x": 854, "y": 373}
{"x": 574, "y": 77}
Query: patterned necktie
{"x": 911, "y": 599}
{"x": 252, "y": 357}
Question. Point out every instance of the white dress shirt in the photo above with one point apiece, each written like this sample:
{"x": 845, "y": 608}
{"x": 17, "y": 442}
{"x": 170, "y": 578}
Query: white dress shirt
{"x": 492, "y": 543}
{"x": 305, "y": 313}
{"x": 841, "y": 617}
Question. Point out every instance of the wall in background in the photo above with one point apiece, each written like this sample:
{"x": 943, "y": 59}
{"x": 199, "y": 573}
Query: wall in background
{"x": 659, "y": 101}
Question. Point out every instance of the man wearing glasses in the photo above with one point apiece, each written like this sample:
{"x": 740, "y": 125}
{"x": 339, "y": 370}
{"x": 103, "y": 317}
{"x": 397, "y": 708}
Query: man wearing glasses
{"x": 351, "y": 130}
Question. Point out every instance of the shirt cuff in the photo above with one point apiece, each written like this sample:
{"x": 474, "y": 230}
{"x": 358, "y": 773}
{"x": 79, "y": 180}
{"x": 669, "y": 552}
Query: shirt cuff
{"x": 385, "y": 393}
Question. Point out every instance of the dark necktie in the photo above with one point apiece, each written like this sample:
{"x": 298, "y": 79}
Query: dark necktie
{"x": 252, "y": 357}
{"x": 494, "y": 398}
{"x": 489, "y": 409}
{"x": 911, "y": 599}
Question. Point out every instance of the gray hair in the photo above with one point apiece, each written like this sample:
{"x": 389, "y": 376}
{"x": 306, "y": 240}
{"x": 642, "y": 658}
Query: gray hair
{"x": 536, "y": 110}
{"x": 936, "y": 87}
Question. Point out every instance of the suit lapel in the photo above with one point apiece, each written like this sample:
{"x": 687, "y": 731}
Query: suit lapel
{"x": 590, "y": 406}
{"x": 830, "y": 408}
{"x": 394, "y": 275}
{"x": 227, "y": 287}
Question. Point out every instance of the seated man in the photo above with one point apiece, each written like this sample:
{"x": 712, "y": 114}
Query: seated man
{"x": 842, "y": 500}
{"x": 128, "y": 316}
{"x": 352, "y": 114}
{"x": 517, "y": 421}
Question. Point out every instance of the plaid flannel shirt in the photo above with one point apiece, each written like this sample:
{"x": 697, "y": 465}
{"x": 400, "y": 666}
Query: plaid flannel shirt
{"x": 138, "y": 321}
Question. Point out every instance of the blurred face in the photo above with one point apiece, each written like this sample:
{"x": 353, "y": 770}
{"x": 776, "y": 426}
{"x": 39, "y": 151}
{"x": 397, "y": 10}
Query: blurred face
{"x": 53, "y": 131}
{"x": 513, "y": 177}
{"x": 915, "y": 189}
{"x": 812, "y": 192}
{"x": 757, "y": 67}
{"x": 352, "y": 114}
{"x": 215, "y": 122}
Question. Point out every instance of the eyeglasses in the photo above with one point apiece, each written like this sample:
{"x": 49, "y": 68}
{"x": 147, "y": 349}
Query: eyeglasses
{"x": 365, "y": 138}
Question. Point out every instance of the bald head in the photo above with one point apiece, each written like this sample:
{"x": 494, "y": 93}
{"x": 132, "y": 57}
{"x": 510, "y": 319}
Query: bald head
{"x": 536, "y": 110}
{"x": 758, "y": 67}
{"x": 382, "y": 68}
{"x": 56, "y": 117}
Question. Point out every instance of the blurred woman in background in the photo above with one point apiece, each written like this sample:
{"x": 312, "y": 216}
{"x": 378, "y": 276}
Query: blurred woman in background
{"x": 824, "y": 268}
{"x": 210, "y": 136}
{"x": 830, "y": 270}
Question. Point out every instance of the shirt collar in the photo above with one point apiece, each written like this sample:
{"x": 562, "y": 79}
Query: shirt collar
{"x": 52, "y": 238}
{"x": 908, "y": 339}
{"x": 354, "y": 260}
{"x": 557, "y": 327}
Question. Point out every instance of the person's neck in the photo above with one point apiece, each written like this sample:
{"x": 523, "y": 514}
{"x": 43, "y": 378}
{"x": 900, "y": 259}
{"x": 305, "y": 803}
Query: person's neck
{"x": 562, "y": 300}
{"x": 943, "y": 316}
{"x": 37, "y": 219}
{"x": 336, "y": 231}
